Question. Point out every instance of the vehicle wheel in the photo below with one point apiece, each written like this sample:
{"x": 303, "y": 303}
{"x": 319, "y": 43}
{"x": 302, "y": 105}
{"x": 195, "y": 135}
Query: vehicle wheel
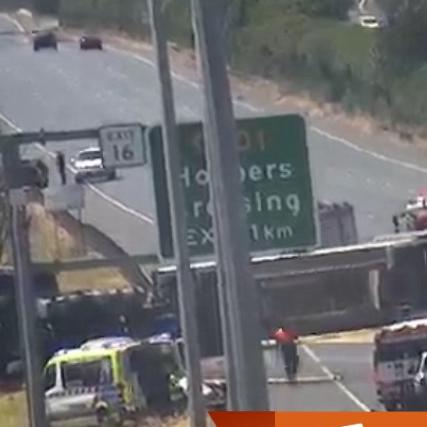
{"x": 35, "y": 48}
{"x": 101, "y": 416}
{"x": 120, "y": 420}
{"x": 113, "y": 175}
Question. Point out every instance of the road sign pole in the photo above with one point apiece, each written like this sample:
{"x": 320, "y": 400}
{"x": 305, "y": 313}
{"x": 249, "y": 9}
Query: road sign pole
{"x": 223, "y": 162}
{"x": 25, "y": 297}
{"x": 186, "y": 287}
{"x": 226, "y": 329}
{"x": 225, "y": 310}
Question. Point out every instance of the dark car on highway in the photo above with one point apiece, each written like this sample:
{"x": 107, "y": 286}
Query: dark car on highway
{"x": 90, "y": 42}
{"x": 45, "y": 40}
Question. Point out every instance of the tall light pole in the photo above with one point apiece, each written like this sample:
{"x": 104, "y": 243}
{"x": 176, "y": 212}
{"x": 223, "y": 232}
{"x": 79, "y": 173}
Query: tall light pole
{"x": 220, "y": 281}
{"x": 186, "y": 288}
{"x": 250, "y": 385}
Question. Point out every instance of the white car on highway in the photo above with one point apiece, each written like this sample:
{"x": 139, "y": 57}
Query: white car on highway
{"x": 371, "y": 21}
{"x": 89, "y": 166}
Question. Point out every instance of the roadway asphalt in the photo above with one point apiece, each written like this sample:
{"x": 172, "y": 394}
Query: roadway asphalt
{"x": 317, "y": 390}
{"x": 70, "y": 89}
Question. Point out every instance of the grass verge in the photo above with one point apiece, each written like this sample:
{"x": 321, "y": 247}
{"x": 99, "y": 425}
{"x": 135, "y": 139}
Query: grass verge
{"x": 13, "y": 410}
{"x": 13, "y": 413}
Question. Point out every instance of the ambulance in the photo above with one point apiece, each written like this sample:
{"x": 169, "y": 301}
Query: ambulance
{"x": 109, "y": 379}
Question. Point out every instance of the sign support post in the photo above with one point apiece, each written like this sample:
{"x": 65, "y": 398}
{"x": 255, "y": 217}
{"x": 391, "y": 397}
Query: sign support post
{"x": 232, "y": 402}
{"x": 223, "y": 161}
{"x": 186, "y": 288}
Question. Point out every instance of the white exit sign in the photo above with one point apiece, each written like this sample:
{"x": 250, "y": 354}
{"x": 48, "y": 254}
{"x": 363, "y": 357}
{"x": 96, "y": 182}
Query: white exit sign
{"x": 122, "y": 145}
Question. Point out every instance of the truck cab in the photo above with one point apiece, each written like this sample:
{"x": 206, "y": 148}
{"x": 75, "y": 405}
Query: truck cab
{"x": 420, "y": 378}
{"x": 400, "y": 365}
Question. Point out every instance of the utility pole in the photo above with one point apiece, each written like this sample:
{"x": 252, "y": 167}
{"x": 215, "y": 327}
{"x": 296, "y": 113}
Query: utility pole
{"x": 186, "y": 287}
{"x": 223, "y": 163}
{"x": 225, "y": 309}
{"x": 25, "y": 296}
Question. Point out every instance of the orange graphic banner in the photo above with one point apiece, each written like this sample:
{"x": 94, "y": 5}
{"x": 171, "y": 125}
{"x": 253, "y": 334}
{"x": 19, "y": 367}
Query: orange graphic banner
{"x": 319, "y": 419}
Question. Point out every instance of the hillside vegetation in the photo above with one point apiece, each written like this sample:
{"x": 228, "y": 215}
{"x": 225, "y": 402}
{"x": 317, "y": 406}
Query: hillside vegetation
{"x": 309, "y": 43}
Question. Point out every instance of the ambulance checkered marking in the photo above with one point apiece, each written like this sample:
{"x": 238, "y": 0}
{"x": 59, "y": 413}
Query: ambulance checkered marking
{"x": 110, "y": 393}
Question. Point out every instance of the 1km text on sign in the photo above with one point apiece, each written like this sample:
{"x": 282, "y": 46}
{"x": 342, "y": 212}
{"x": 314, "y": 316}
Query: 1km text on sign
{"x": 275, "y": 174}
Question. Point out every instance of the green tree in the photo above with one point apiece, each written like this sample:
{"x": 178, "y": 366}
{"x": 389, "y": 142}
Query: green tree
{"x": 404, "y": 42}
{"x": 391, "y": 8}
{"x": 323, "y": 8}
{"x": 256, "y": 10}
{"x": 46, "y": 6}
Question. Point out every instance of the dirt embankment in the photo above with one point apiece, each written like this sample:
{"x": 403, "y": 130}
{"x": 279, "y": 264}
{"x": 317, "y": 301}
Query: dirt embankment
{"x": 57, "y": 237}
{"x": 54, "y": 237}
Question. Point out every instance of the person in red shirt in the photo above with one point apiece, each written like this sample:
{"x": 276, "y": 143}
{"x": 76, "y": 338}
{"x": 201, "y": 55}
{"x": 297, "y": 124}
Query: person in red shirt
{"x": 284, "y": 336}
{"x": 286, "y": 340}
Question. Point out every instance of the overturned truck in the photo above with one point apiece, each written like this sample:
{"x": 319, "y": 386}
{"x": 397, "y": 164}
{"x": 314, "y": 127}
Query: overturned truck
{"x": 326, "y": 290}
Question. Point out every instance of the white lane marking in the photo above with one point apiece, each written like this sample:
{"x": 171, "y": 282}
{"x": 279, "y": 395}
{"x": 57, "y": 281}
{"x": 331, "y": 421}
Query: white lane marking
{"x": 299, "y": 380}
{"x": 10, "y": 123}
{"x": 95, "y": 189}
{"x": 103, "y": 195}
{"x": 253, "y": 108}
{"x": 250, "y": 107}
{"x": 178, "y": 77}
{"x": 371, "y": 153}
{"x": 151, "y": 63}
{"x": 338, "y": 383}
{"x": 121, "y": 206}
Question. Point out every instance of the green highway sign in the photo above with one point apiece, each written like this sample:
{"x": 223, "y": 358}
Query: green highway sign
{"x": 277, "y": 190}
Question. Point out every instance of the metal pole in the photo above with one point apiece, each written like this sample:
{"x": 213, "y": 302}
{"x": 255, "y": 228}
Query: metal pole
{"x": 221, "y": 285}
{"x": 27, "y": 315}
{"x": 223, "y": 162}
{"x": 232, "y": 398}
{"x": 224, "y": 303}
{"x": 25, "y": 298}
{"x": 186, "y": 288}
